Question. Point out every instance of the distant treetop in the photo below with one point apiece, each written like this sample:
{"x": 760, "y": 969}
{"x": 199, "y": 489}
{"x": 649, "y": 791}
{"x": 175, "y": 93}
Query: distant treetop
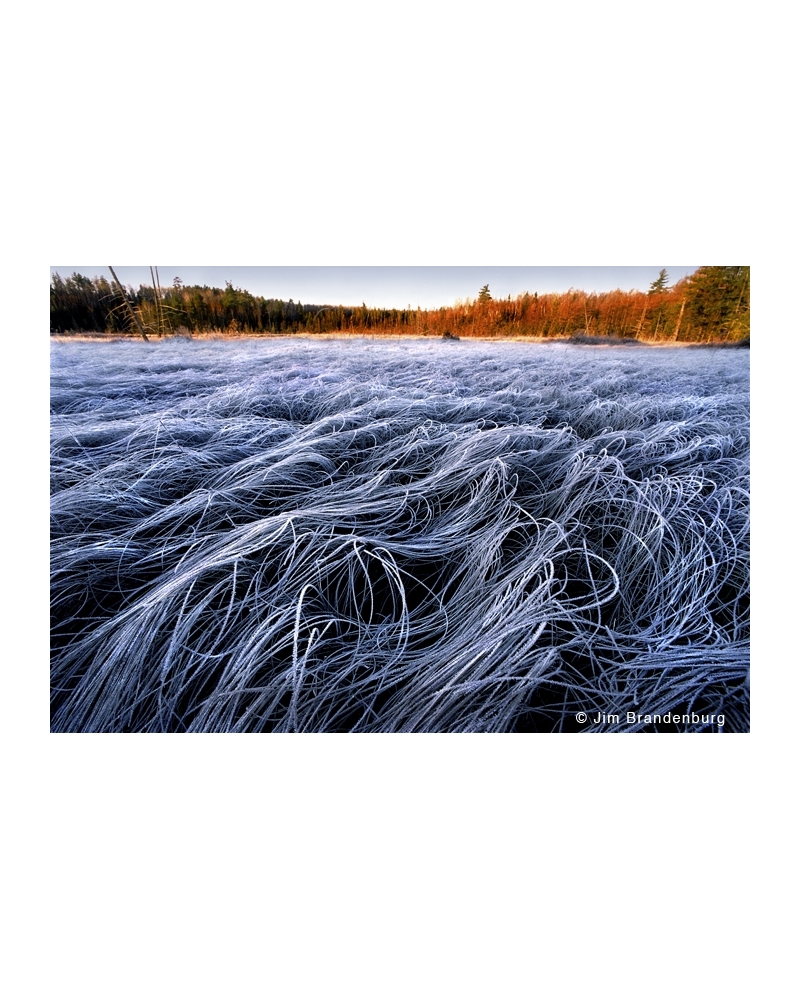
{"x": 660, "y": 284}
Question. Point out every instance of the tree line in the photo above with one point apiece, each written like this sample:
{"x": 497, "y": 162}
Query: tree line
{"x": 710, "y": 305}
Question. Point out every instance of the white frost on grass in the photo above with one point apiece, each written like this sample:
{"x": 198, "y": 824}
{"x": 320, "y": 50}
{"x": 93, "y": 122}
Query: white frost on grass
{"x": 396, "y": 536}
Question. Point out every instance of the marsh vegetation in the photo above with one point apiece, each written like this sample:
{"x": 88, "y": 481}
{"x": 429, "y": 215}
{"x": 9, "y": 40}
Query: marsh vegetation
{"x": 407, "y": 536}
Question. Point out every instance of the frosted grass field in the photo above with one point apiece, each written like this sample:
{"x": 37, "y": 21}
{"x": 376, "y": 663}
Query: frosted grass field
{"x": 397, "y": 536}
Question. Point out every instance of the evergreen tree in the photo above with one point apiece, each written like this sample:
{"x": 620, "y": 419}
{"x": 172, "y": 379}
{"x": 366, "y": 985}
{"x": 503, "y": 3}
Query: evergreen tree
{"x": 660, "y": 284}
{"x": 484, "y": 295}
{"x": 718, "y": 300}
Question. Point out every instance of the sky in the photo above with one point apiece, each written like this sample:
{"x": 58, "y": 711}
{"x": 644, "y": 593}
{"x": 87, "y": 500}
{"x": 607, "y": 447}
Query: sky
{"x": 392, "y": 287}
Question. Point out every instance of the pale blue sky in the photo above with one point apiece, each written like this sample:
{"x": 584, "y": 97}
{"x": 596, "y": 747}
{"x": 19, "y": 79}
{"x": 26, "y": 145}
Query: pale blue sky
{"x": 392, "y": 287}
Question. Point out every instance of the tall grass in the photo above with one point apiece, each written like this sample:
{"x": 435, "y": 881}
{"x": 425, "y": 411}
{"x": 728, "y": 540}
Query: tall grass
{"x": 396, "y": 537}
